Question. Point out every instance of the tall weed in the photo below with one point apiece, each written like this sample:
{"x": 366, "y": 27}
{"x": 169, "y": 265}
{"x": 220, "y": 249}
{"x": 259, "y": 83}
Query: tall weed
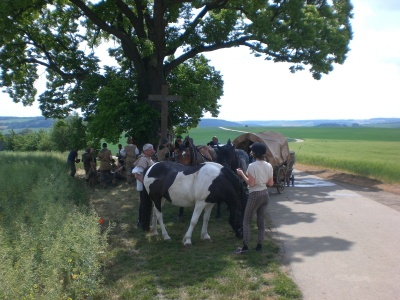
{"x": 51, "y": 243}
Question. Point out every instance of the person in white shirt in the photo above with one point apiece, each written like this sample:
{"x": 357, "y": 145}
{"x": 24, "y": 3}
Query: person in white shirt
{"x": 259, "y": 175}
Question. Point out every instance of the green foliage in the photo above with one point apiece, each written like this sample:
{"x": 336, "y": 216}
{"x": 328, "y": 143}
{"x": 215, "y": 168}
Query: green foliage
{"x": 151, "y": 43}
{"x": 197, "y": 94}
{"x": 29, "y": 141}
{"x": 70, "y": 134}
{"x": 51, "y": 242}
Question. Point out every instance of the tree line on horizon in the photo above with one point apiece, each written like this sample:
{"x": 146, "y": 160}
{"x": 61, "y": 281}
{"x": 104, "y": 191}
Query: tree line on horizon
{"x": 64, "y": 135}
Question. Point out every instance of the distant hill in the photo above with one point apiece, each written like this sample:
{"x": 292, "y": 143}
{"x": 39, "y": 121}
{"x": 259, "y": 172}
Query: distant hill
{"x": 218, "y": 123}
{"x": 20, "y": 123}
{"x": 35, "y": 123}
{"x": 376, "y": 122}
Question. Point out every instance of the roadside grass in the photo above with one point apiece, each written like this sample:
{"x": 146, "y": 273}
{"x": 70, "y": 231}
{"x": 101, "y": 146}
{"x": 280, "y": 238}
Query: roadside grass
{"x": 51, "y": 245}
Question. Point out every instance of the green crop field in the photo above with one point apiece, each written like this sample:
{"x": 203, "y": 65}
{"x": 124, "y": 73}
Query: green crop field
{"x": 372, "y": 152}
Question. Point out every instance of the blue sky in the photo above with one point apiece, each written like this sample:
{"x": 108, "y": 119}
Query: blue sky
{"x": 365, "y": 86}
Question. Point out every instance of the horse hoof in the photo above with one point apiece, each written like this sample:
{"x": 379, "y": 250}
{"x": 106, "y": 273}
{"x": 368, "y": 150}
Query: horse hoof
{"x": 187, "y": 245}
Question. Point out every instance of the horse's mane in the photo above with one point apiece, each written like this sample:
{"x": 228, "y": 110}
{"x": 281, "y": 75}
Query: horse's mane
{"x": 241, "y": 205}
{"x": 196, "y": 151}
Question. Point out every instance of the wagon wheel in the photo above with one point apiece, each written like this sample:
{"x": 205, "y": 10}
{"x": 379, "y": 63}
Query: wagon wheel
{"x": 280, "y": 180}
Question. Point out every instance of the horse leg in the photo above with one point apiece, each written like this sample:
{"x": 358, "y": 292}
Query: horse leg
{"x": 154, "y": 223}
{"x": 160, "y": 220}
{"x": 218, "y": 216}
{"x": 180, "y": 214}
{"x": 206, "y": 217}
{"x": 195, "y": 217}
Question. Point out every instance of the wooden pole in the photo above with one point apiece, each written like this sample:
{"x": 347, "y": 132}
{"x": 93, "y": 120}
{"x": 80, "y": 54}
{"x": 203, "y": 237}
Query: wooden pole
{"x": 164, "y": 98}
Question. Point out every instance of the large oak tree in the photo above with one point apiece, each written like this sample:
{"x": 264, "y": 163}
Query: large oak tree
{"x": 153, "y": 42}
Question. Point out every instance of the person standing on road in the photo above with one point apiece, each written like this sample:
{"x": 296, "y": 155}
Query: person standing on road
{"x": 259, "y": 175}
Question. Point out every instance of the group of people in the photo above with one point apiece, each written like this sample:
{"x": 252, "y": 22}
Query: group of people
{"x": 259, "y": 176}
{"x": 110, "y": 168}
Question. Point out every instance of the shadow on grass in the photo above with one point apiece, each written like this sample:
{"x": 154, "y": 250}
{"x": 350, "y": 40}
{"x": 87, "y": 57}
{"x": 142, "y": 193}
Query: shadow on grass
{"x": 140, "y": 266}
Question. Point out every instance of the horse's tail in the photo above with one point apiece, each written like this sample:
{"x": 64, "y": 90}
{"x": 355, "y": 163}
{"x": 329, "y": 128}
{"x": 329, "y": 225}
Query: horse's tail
{"x": 146, "y": 210}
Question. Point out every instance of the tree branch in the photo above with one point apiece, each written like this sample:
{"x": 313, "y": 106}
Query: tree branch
{"x": 134, "y": 20}
{"x": 208, "y": 7}
{"x": 128, "y": 45}
{"x": 192, "y": 53}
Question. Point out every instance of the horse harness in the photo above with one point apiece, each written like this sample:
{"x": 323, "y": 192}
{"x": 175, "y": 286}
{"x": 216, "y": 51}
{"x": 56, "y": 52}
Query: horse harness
{"x": 196, "y": 151}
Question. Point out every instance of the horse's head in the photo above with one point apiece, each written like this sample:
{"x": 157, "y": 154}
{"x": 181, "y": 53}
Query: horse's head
{"x": 188, "y": 142}
{"x": 182, "y": 155}
{"x": 226, "y": 156}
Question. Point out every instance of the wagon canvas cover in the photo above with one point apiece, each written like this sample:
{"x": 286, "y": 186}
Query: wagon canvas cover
{"x": 277, "y": 145}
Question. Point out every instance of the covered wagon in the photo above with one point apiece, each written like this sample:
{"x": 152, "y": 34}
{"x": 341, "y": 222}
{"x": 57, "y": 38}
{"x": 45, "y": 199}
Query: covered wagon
{"x": 278, "y": 154}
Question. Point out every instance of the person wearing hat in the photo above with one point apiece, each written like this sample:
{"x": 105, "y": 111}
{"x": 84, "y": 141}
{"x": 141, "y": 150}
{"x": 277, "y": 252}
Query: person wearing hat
{"x": 259, "y": 175}
{"x": 163, "y": 150}
{"x": 143, "y": 162}
{"x": 130, "y": 153}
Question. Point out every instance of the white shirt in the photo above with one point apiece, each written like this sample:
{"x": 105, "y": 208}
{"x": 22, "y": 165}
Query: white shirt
{"x": 262, "y": 171}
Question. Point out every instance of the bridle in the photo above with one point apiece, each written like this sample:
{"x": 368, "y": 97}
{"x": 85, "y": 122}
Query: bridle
{"x": 194, "y": 152}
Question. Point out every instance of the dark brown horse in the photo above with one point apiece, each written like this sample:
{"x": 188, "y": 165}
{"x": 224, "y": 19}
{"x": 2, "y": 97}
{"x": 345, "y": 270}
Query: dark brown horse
{"x": 187, "y": 153}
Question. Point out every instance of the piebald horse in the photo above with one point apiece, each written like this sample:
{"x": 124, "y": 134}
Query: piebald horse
{"x": 200, "y": 186}
{"x": 189, "y": 154}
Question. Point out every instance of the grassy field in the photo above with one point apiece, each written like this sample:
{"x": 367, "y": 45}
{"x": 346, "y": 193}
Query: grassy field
{"x": 371, "y": 152}
{"x": 53, "y": 233}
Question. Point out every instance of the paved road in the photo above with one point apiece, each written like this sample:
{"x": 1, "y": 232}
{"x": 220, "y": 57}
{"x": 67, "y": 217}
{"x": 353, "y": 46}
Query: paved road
{"x": 340, "y": 242}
